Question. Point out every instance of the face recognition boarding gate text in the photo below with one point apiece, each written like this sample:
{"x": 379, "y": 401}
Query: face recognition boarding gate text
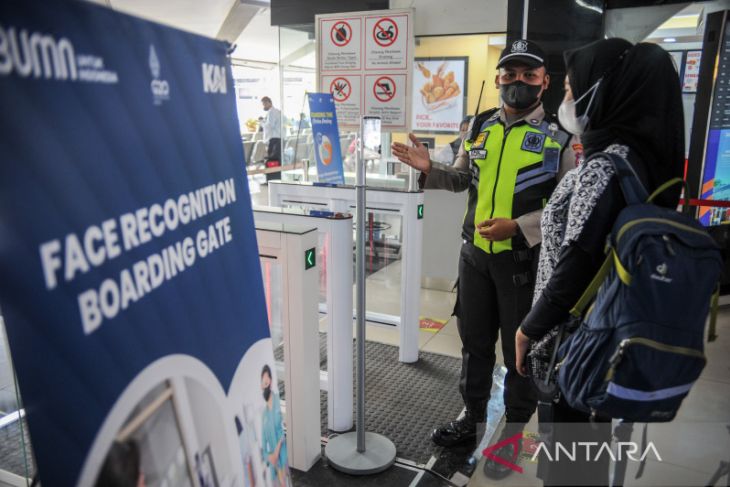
{"x": 293, "y": 248}
{"x": 337, "y": 232}
{"x": 409, "y": 206}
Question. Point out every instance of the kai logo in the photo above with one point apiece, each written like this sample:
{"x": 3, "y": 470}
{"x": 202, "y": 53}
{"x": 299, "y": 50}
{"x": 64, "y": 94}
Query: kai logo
{"x": 214, "y": 79}
{"x": 160, "y": 88}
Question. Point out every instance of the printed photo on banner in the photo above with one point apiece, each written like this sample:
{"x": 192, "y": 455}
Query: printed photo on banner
{"x": 438, "y": 94}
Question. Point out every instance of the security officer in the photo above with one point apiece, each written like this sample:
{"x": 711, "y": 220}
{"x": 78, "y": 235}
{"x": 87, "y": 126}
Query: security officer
{"x": 510, "y": 161}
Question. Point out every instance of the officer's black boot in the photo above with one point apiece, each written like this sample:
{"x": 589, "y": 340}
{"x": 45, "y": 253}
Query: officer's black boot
{"x": 461, "y": 430}
{"x": 495, "y": 470}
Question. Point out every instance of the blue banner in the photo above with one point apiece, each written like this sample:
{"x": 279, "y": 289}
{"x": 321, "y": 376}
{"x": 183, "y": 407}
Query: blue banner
{"x": 326, "y": 137}
{"x": 130, "y": 279}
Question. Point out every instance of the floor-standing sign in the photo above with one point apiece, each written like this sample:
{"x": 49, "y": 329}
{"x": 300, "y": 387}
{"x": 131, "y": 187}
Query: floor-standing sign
{"x": 365, "y": 59}
{"x": 129, "y": 277}
{"x": 326, "y": 136}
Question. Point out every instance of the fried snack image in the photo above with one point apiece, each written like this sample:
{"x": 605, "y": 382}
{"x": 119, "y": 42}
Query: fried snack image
{"x": 438, "y": 87}
{"x": 424, "y": 70}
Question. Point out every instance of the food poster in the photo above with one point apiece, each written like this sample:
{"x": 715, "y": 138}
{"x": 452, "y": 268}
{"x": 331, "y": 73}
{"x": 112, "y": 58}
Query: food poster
{"x": 438, "y": 94}
{"x": 691, "y": 71}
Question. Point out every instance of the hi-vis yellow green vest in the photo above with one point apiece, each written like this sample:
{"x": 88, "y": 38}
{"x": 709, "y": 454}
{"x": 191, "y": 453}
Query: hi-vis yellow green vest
{"x": 513, "y": 172}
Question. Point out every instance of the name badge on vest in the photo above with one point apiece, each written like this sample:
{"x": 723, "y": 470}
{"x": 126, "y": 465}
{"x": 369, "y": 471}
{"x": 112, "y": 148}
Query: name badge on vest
{"x": 551, "y": 160}
{"x": 533, "y": 142}
{"x": 477, "y": 154}
{"x": 480, "y": 140}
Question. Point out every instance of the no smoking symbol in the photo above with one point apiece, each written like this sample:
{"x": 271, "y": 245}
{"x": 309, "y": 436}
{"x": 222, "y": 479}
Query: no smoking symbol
{"x": 340, "y": 89}
{"x": 341, "y": 33}
{"x": 384, "y": 89}
{"x": 385, "y": 32}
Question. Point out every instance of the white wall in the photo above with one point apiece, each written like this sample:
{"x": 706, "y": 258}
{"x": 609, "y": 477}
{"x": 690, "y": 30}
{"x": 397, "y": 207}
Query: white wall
{"x": 436, "y": 17}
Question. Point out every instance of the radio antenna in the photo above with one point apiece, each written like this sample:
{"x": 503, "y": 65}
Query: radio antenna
{"x": 479, "y": 101}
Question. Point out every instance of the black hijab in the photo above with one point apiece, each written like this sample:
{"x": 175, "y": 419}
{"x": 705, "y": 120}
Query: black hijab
{"x": 639, "y": 104}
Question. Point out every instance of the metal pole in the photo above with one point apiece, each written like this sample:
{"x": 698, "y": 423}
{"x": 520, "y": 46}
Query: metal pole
{"x": 360, "y": 293}
{"x": 360, "y": 453}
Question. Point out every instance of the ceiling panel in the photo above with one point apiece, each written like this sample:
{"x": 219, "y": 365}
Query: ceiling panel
{"x": 200, "y": 16}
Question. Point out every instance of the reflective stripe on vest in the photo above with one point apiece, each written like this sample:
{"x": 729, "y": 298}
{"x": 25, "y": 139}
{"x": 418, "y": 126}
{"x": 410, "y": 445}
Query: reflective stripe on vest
{"x": 495, "y": 168}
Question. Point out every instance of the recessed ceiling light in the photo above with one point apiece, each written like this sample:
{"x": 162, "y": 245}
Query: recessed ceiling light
{"x": 669, "y": 39}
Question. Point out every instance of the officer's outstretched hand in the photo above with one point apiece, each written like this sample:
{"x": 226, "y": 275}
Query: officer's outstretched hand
{"x": 416, "y": 157}
{"x": 497, "y": 229}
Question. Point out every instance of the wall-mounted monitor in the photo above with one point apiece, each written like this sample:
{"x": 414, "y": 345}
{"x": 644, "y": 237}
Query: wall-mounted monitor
{"x": 708, "y": 171}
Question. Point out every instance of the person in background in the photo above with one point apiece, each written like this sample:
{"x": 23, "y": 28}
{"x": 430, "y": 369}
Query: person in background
{"x": 620, "y": 99}
{"x": 271, "y": 124}
{"x": 447, "y": 154}
{"x": 273, "y": 440}
{"x": 122, "y": 466}
{"x": 510, "y": 162}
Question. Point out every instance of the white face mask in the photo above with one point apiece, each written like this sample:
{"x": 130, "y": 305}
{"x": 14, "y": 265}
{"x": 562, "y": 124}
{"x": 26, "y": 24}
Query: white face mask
{"x": 566, "y": 113}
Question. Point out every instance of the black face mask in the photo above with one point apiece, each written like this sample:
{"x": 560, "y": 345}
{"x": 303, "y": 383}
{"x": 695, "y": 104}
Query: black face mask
{"x": 519, "y": 94}
{"x": 267, "y": 393}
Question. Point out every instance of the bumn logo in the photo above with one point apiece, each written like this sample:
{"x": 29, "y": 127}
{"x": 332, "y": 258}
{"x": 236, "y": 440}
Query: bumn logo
{"x": 160, "y": 88}
{"x": 214, "y": 79}
{"x": 37, "y": 55}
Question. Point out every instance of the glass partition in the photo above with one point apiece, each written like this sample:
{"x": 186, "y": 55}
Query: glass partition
{"x": 17, "y": 465}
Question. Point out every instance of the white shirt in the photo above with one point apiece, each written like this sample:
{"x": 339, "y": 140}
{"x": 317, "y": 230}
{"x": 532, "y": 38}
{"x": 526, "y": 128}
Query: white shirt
{"x": 272, "y": 124}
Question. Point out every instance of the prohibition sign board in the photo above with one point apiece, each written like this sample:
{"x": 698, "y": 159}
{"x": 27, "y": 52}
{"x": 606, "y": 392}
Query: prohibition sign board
{"x": 341, "y": 33}
{"x": 385, "y": 32}
{"x": 384, "y": 89}
{"x": 340, "y": 89}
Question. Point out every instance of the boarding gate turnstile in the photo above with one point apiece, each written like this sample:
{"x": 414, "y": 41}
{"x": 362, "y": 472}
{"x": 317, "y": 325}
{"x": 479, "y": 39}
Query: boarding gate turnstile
{"x": 293, "y": 249}
{"x": 336, "y": 233}
{"x": 406, "y": 204}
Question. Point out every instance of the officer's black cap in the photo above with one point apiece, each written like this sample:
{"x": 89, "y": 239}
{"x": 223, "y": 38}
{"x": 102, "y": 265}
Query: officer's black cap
{"x": 523, "y": 51}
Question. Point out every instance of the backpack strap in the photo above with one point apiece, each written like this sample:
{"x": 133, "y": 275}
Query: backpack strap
{"x": 612, "y": 261}
{"x": 686, "y": 208}
{"x": 634, "y": 192}
{"x": 666, "y": 186}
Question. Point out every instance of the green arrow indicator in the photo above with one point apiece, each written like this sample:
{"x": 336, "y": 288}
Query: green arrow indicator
{"x": 420, "y": 211}
{"x": 310, "y": 259}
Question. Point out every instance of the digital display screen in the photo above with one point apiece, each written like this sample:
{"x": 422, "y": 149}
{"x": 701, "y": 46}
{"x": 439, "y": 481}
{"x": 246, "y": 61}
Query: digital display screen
{"x": 716, "y": 173}
{"x": 371, "y": 137}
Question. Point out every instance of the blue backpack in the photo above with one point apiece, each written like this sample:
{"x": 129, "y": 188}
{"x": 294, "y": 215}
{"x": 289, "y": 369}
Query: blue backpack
{"x": 640, "y": 346}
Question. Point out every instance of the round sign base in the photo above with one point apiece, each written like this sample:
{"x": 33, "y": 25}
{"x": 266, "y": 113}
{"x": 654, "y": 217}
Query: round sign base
{"x": 342, "y": 454}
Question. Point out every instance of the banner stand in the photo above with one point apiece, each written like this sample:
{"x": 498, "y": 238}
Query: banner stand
{"x": 360, "y": 452}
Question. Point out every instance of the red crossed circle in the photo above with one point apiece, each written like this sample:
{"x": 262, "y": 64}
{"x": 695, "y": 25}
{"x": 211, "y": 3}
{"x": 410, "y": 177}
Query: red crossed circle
{"x": 341, "y": 33}
{"x": 384, "y": 89}
{"x": 385, "y": 32}
{"x": 340, "y": 89}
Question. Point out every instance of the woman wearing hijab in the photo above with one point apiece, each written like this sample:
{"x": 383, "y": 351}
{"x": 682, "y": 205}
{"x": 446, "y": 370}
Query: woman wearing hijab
{"x": 625, "y": 100}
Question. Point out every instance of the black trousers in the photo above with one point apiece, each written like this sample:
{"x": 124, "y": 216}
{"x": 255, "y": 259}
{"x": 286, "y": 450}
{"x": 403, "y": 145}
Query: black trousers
{"x": 494, "y": 295}
{"x": 568, "y": 426}
{"x": 273, "y": 152}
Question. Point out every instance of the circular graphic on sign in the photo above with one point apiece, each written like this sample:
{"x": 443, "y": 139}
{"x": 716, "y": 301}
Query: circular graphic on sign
{"x": 340, "y": 89}
{"x": 325, "y": 150}
{"x": 385, "y": 32}
{"x": 341, "y": 33}
{"x": 384, "y": 88}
